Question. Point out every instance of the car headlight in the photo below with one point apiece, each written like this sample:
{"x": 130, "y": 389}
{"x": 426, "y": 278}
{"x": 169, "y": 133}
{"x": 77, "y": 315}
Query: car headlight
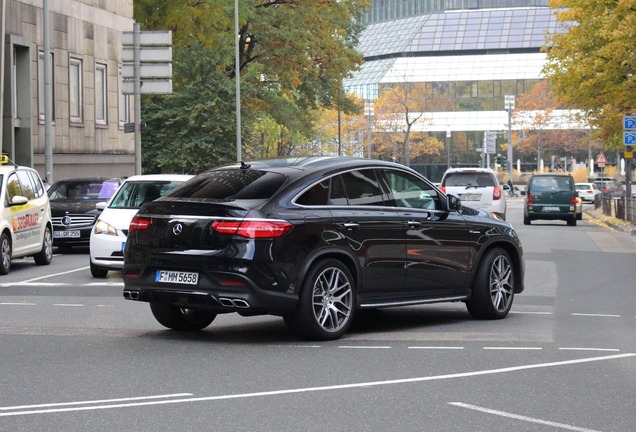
{"x": 102, "y": 227}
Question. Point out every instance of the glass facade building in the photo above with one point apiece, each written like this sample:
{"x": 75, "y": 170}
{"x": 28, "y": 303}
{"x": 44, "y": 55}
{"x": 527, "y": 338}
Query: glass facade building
{"x": 470, "y": 53}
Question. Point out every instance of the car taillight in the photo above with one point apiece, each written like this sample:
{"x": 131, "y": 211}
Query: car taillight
{"x": 496, "y": 193}
{"x": 253, "y": 228}
{"x": 573, "y": 200}
{"x": 529, "y": 199}
{"x": 139, "y": 223}
{"x": 442, "y": 188}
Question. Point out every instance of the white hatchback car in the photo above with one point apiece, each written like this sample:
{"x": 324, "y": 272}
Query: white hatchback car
{"x": 477, "y": 188}
{"x": 25, "y": 216}
{"x": 588, "y": 191}
{"x": 109, "y": 234}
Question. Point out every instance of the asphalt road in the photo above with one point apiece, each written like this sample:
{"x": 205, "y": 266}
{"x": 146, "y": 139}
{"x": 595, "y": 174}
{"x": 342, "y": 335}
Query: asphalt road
{"x": 75, "y": 356}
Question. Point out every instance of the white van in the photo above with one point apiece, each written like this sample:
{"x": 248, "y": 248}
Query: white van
{"x": 25, "y": 216}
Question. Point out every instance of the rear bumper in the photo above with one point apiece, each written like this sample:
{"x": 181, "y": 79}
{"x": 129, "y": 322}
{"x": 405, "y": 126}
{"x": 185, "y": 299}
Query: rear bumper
{"x": 221, "y": 293}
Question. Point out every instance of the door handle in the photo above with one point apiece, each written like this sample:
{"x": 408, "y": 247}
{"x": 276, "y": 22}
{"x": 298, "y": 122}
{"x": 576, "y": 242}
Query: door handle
{"x": 351, "y": 225}
{"x": 414, "y": 224}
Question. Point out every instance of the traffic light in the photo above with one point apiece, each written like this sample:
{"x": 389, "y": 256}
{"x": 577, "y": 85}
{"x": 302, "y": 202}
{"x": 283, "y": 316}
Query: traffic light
{"x": 498, "y": 161}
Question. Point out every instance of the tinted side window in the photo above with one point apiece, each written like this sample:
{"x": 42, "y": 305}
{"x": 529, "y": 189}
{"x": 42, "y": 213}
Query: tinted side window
{"x": 338, "y": 194}
{"x": 411, "y": 191}
{"x": 362, "y": 188}
{"x": 232, "y": 184}
{"x": 316, "y": 195}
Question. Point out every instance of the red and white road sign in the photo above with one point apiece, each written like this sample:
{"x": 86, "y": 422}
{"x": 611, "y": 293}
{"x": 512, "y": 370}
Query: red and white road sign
{"x": 601, "y": 159}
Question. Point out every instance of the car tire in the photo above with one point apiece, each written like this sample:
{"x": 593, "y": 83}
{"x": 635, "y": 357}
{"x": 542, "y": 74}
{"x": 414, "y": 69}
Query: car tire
{"x": 5, "y": 254}
{"x": 527, "y": 220}
{"x": 45, "y": 256}
{"x": 181, "y": 319}
{"x": 98, "y": 272}
{"x": 579, "y": 216}
{"x": 326, "y": 305}
{"x": 494, "y": 286}
{"x": 572, "y": 221}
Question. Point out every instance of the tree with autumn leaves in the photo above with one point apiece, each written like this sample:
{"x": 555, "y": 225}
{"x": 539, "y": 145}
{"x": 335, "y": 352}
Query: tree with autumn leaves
{"x": 293, "y": 56}
{"x": 591, "y": 62}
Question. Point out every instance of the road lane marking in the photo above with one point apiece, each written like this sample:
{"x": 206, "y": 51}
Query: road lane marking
{"x": 596, "y": 315}
{"x": 522, "y": 418}
{"x": 19, "y": 407}
{"x": 68, "y": 304}
{"x": 530, "y": 313}
{"x": 363, "y": 347}
{"x": 513, "y": 348}
{"x": 437, "y": 348}
{"x": 589, "y": 349}
{"x": 56, "y": 274}
{"x": 17, "y": 304}
{"x": 320, "y": 389}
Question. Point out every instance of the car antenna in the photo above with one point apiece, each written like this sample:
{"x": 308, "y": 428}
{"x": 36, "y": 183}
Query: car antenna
{"x": 245, "y": 166}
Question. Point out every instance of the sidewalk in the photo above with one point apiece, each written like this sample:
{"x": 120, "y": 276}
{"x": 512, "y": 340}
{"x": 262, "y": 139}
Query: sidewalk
{"x": 596, "y": 217}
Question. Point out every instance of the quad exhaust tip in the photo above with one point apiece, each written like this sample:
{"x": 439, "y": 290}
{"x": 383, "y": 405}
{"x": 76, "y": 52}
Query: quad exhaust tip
{"x": 131, "y": 295}
{"x": 234, "y": 303}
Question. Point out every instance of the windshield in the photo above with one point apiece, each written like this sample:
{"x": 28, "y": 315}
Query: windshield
{"x": 131, "y": 195}
{"x": 96, "y": 190}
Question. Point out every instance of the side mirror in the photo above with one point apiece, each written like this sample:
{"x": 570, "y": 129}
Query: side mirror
{"x": 453, "y": 203}
{"x": 18, "y": 200}
{"x": 101, "y": 205}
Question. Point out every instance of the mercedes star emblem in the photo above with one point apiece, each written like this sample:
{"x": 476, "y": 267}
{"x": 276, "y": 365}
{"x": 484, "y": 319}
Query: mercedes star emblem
{"x": 177, "y": 229}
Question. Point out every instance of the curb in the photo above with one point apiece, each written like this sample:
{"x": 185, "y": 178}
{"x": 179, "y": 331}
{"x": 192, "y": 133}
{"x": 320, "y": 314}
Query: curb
{"x": 610, "y": 223}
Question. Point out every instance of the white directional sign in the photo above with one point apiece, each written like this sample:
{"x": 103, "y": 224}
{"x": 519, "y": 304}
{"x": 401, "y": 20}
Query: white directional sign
{"x": 155, "y": 62}
{"x": 148, "y": 70}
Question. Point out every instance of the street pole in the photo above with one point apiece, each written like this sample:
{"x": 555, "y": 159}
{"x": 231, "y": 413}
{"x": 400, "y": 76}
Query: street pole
{"x": 510, "y": 105}
{"x": 448, "y": 149}
{"x": 137, "y": 93}
{"x": 48, "y": 103}
{"x": 237, "y": 77}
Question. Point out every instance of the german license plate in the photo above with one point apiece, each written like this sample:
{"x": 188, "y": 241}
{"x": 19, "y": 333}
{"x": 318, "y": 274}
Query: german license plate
{"x": 66, "y": 234}
{"x": 470, "y": 197}
{"x": 177, "y": 277}
{"x": 550, "y": 208}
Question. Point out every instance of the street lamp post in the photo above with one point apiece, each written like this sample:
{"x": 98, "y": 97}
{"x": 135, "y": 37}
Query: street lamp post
{"x": 448, "y": 148}
{"x": 509, "y": 105}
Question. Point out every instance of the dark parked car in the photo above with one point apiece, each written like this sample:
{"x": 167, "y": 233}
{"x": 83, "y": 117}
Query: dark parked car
{"x": 551, "y": 197}
{"x": 314, "y": 240}
{"x": 610, "y": 188}
{"x": 73, "y": 208}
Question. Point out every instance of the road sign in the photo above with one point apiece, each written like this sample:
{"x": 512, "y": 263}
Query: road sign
{"x": 155, "y": 86}
{"x": 148, "y": 70}
{"x": 601, "y": 159}
{"x": 629, "y": 155}
{"x": 629, "y": 122}
{"x": 629, "y": 138}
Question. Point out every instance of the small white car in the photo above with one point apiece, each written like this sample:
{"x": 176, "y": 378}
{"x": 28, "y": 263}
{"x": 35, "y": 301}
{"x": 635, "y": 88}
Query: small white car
{"x": 25, "y": 216}
{"x": 477, "y": 188}
{"x": 108, "y": 236}
{"x": 588, "y": 191}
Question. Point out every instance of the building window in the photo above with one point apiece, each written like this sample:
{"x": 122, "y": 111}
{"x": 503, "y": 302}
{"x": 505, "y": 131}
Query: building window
{"x": 124, "y": 102}
{"x": 75, "y": 98}
{"x": 101, "y": 94}
{"x": 41, "y": 85}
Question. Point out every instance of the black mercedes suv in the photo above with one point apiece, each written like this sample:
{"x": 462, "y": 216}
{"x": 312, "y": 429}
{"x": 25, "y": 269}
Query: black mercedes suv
{"x": 314, "y": 240}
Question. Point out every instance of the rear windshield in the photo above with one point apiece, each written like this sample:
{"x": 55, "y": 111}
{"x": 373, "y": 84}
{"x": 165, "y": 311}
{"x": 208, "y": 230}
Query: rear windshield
{"x": 476, "y": 179}
{"x": 550, "y": 184}
{"x": 235, "y": 184}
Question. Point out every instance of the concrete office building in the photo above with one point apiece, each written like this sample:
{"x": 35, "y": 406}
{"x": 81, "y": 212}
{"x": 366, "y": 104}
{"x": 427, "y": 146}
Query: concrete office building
{"x": 88, "y": 109}
{"x": 470, "y": 52}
